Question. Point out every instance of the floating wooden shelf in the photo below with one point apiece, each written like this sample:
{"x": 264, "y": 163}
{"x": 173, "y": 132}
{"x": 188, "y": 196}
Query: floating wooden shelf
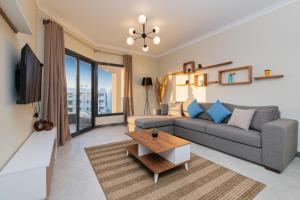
{"x": 249, "y": 81}
{"x": 268, "y": 77}
{"x": 190, "y": 84}
{"x": 202, "y": 82}
{"x": 13, "y": 14}
{"x": 215, "y": 65}
{"x": 200, "y": 69}
{"x": 212, "y": 82}
{"x": 181, "y": 73}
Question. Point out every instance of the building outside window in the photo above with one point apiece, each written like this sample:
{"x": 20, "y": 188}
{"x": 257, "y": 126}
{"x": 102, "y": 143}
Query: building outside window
{"x": 110, "y": 89}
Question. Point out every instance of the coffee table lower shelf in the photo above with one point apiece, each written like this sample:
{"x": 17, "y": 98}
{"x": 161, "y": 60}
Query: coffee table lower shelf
{"x": 156, "y": 163}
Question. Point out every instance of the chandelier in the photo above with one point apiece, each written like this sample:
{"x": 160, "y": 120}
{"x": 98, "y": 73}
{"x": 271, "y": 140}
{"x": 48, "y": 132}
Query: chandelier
{"x": 144, "y": 35}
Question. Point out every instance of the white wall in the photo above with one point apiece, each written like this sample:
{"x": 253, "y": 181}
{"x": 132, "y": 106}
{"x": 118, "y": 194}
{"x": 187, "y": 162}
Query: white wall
{"x": 143, "y": 67}
{"x": 16, "y": 120}
{"x": 271, "y": 40}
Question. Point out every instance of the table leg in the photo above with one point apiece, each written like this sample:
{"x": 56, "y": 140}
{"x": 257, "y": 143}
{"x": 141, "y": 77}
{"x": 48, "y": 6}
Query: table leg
{"x": 186, "y": 166}
{"x": 155, "y": 177}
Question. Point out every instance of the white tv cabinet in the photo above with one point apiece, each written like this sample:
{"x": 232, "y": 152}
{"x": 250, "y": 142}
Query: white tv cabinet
{"x": 28, "y": 174}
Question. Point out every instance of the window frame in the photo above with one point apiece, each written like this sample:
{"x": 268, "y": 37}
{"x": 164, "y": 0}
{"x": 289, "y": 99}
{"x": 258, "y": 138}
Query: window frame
{"x": 79, "y": 58}
{"x": 96, "y": 89}
{"x": 95, "y": 65}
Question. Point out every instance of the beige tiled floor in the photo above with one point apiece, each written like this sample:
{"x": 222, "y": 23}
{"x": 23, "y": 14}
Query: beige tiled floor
{"x": 74, "y": 178}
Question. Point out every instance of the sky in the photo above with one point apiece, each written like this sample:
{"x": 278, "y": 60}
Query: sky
{"x": 104, "y": 77}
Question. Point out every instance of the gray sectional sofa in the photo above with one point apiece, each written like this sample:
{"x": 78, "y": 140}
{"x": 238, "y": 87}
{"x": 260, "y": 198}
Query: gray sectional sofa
{"x": 271, "y": 141}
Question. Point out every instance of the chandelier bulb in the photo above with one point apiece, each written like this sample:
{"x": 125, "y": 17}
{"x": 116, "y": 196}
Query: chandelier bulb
{"x": 130, "y": 40}
{"x": 142, "y": 19}
{"x": 156, "y": 29}
{"x": 145, "y": 48}
{"x": 131, "y": 31}
{"x": 156, "y": 40}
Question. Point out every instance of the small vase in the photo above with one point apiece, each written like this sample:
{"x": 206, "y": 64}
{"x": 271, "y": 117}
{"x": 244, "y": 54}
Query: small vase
{"x": 267, "y": 72}
{"x": 154, "y": 133}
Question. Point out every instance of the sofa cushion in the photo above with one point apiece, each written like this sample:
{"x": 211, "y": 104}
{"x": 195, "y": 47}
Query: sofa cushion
{"x": 241, "y": 118}
{"x": 194, "y": 109}
{"x": 175, "y": 109}
{"x": 218, "y": 112}
{"x": 262, "y": 115}
{"x": 250, "y": 137}
{"x": 164, "y": 109}
{"x": 151, "y": 121}
{"x": 192, "y": 124}
{"x": 204, "y": 115}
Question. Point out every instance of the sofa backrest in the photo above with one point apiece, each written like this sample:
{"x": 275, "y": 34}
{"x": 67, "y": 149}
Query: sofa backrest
{"x": 262, "y": 115}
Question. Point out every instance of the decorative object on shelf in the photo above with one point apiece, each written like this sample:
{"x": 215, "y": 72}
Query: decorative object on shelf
{"x": 147, "y": 82}
{"x": 187, "y": 82}
{"x": 43, "y": 125}
{"x": 200, "y": 66}
{"x": 257, "y": 78}
{"x": 189, "y": 66}
{"x": 245, "y": 68}
{"x": 142, "y": 19}
{"x": 230, "y": 78}
{"x": 155, "y": 132}
{"x": 200, "y": 80}
{"x": 161, "y": 86}
{"x": 267, "y": 72}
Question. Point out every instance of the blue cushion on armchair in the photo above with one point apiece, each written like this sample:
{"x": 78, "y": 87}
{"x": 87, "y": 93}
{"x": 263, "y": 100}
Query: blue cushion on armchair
{"x": 218, "y": 112}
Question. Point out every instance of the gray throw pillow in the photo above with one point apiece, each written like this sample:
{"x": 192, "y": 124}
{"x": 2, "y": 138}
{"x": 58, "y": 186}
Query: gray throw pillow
{"x": 241, "y": 118}
{"x": 164, "y": 109}
{"x": 262, "y": 117}
{"x": 175, "y": 109}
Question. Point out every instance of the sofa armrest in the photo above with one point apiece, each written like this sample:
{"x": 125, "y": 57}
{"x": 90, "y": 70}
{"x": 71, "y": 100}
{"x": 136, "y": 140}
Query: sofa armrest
{"x": 279, "y": 143}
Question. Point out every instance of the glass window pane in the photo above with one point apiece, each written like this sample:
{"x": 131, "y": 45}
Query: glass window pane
{"x": 110, "y": 89}
{"x": 85, "y": 84}
{"x": 71, "y": 65}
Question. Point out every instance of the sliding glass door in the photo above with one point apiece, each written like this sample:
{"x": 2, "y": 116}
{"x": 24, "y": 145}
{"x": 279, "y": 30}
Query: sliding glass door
{"x": 79, "y": 75}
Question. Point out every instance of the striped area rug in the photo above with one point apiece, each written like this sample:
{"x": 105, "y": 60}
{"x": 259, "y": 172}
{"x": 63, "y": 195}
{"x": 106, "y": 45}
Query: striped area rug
{"x": 125, "y": 178}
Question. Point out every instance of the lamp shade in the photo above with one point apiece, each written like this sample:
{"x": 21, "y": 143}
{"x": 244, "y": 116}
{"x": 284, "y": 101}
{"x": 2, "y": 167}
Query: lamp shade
{"x": 147, "y": 81}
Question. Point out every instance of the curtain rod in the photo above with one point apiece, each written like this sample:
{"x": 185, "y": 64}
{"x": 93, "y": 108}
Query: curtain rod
{"x": 46, "y": 21}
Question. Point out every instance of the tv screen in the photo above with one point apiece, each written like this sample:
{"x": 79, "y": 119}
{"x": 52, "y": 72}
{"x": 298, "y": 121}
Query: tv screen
{"x": 28, "y": 78}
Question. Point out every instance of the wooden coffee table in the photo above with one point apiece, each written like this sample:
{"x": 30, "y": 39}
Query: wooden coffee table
{"x": 161, "y": 153}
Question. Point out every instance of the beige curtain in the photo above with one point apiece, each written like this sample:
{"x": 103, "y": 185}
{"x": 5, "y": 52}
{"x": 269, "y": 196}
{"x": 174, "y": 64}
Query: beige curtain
{"x": 55, "y": 86}
{"x": 128, "y": 95}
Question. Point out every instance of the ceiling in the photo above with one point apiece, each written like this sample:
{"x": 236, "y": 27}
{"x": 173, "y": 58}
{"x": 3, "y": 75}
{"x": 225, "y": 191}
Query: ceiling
{"x": 105, "y": 23}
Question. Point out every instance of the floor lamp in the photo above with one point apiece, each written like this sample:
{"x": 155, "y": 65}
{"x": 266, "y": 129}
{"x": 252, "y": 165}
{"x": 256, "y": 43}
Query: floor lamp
{"x": 147, "y": 81}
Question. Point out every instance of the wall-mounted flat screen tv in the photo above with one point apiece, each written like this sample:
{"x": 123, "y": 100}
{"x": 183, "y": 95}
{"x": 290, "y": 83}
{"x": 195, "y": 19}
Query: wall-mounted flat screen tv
{"x": 28, "y": 77}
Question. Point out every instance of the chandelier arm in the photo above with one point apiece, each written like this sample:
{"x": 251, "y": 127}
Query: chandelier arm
{"x": 137, "y": 38}
{"x": 149, "y": 32}
{"x": 149, "y": 37}
{"x": 138, "y": 33}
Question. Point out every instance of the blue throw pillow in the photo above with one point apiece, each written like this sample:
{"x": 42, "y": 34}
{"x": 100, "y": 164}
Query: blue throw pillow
{"x": 218, "y": 112}
{"x": 194, "y": 109}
